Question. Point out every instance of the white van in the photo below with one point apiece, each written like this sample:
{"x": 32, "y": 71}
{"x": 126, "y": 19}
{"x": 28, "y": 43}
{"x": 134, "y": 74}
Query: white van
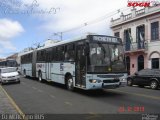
{"x": 9, "y": 75}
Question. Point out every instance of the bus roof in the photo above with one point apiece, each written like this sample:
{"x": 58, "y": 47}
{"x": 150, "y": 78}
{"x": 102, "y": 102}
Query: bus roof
{"x": 23, "y": 53}
{"x": 72, "y": 40}
{"x": 64, "y": 42}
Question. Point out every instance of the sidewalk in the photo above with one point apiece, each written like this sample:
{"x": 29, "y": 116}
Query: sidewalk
{"x": 5, "y": 105}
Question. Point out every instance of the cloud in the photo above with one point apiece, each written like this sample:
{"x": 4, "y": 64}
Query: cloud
{"x": 73, "y": 13}
{"x": 77, "y": 12}
{"x": 7, "y": 45}
{"x": 8, "y": 30}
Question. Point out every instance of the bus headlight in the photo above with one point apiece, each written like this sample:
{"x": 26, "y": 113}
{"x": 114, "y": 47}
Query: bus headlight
{"x": 123, "y": 80}
{"x": 94, "y": 81}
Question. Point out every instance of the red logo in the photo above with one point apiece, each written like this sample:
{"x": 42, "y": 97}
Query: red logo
{"x": 138, "y": 4}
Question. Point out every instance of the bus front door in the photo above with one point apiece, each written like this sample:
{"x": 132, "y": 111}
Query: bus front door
{"x": 80, "y": 66}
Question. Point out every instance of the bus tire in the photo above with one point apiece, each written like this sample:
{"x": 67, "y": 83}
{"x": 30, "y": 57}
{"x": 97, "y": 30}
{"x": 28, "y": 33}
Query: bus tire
{"x": 69, "y": 83}
{"x": 40, "y": 77}
{"x": 129, "y": 82}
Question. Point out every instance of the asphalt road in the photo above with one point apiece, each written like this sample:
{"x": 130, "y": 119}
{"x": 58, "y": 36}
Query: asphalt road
{"x": 34, "y": 97}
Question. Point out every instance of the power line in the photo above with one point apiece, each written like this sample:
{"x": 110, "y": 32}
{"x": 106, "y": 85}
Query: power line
{"x": 95, "y": 20}
{"x": 108, "y": 15}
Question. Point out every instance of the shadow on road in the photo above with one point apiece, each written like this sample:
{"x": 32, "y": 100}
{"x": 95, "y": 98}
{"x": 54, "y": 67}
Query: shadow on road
{"x": 99, "y": 93}
{"x": 145, "y": 87}
{"x": 90, "y": 93}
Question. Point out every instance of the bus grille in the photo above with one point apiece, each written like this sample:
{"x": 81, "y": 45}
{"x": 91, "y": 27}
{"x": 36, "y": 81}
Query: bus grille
{"x": 111, "y": 81}
{"x": 110, "y": 76}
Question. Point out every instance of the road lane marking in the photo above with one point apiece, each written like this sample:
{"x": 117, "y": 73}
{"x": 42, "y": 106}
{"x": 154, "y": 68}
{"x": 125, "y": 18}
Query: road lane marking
{"x": 93, "y": 115}
{"x": 52, "y": 96}
{"x": 39, "y": 90}
{"x": 34, "y": 88}
{"x": 68, "y": 103}
{"x": 138, "y": 94}
{"x": 23, "y": 82}
{"x": 13, "y": 103}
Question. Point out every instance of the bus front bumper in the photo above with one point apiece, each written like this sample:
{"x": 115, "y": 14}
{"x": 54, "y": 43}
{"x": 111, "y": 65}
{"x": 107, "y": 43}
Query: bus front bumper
{"x": 123, "y": 84}
{"x": 110, "y": 86}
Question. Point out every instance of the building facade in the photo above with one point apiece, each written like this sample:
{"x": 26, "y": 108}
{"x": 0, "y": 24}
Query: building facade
{"x": 140, "y": 32}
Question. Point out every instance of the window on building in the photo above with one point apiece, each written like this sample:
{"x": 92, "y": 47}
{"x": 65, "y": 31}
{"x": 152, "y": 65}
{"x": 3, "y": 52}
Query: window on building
{"x": 128, "y": 64}
{"x": 140, "y": 62}
{"x": 116, "y": 34}
{"x": 155, "y": 63}
{"x": 155, "y": 30}
{"x": 127, "y": 39}
{"x": 140, "y": 36}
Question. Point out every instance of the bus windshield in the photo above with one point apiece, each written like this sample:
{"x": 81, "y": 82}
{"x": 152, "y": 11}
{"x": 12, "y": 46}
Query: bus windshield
{"x": 104, "y": 57}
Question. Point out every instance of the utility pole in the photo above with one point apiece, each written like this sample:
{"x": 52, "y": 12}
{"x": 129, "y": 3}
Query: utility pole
{"x": 60, "y": 34}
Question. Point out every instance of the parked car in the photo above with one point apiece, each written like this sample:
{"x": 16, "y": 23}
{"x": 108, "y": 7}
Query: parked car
{"x": 145, "y": 77}
{"x": 9, "y": 75}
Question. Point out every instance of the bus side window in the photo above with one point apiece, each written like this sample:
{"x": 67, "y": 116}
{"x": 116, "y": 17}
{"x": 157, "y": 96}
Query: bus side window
{"x": 48, "y": 55}
{"x": 53, "y": 54}
{"x": 37, "y": 56}
{"x": 70, "y": 52}
{"x": 60, "y": 52}
{"x": 41, "y": 55}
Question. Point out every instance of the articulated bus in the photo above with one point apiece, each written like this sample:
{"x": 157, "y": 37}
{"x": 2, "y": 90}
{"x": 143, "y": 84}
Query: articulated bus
{"x": 90, "y": 62}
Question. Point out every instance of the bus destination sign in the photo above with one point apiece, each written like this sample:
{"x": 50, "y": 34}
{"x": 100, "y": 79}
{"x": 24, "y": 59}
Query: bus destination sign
{"x": 106, "y": 39}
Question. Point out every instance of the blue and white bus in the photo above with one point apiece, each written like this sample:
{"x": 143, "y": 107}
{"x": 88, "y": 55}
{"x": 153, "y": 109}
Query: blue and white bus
{"x": 90, "y": 62}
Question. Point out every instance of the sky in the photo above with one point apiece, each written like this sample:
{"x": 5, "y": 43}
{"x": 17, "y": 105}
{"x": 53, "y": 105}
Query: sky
{"x": 25, "y": 23}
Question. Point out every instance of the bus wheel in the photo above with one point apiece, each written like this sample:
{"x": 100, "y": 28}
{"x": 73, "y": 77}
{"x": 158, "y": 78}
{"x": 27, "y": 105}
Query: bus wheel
{"x": 70, "y": 83}
{"x": 40, "y": 77}
{"x": 129, "y": 82}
